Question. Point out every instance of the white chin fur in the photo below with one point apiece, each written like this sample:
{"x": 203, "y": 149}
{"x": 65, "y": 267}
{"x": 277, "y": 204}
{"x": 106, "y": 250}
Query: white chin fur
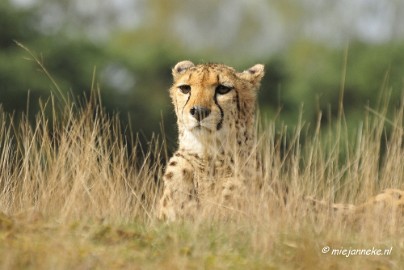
{"x": 191, "y": 141}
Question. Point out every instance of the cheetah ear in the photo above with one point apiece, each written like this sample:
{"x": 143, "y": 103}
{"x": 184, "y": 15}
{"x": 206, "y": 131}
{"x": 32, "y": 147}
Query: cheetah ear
{"x": 253, "y": 74}
{"x": 181, "y": 67}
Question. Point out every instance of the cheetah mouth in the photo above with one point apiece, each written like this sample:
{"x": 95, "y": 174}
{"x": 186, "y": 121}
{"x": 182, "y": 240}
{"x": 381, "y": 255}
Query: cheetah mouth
{"x": 200, "y": 128}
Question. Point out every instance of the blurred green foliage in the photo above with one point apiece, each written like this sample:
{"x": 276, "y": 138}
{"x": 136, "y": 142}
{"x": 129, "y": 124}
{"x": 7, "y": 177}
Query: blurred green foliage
{"x": 133, "y": 72}
{"x": 316, "y": 75}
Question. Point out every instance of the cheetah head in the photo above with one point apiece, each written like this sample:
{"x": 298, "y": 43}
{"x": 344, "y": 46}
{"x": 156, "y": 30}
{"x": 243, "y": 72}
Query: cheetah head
{"x": 213, "y": 99}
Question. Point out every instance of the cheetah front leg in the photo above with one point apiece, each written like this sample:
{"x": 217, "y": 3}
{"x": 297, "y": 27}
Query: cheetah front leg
{"x": 232, "y": 196}
{"x": 179, "y": 197}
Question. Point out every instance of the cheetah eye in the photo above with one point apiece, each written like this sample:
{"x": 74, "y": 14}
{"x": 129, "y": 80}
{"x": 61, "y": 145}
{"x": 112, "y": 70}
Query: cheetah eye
{"x": 185, "y": 88}
{"x": 223, "y": 89}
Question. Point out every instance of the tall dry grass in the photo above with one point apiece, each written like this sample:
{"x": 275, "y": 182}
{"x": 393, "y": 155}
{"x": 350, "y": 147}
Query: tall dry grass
{"x": 76, "y": 167}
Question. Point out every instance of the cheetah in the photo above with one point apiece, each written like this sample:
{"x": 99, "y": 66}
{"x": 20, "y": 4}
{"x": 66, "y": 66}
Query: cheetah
{"x": 215, "y": 108}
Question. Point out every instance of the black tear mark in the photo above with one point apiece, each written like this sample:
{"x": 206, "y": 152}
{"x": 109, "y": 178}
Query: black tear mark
{"x": 189, "y": 96}
{"x": 220, "y": 124}
{"x": 238, "y": 104}
{"x": 238, "y": 101}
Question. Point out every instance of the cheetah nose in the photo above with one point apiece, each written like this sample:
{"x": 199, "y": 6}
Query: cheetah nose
{"x": 199, "y": 112}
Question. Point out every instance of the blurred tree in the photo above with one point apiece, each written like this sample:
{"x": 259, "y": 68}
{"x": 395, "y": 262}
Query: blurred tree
{"x": 313, "y": 78}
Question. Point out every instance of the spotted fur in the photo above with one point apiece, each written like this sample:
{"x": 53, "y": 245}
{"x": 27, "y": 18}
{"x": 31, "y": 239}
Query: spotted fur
{"x": 388, "y": 201}
{"x": 215, "y": 108}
